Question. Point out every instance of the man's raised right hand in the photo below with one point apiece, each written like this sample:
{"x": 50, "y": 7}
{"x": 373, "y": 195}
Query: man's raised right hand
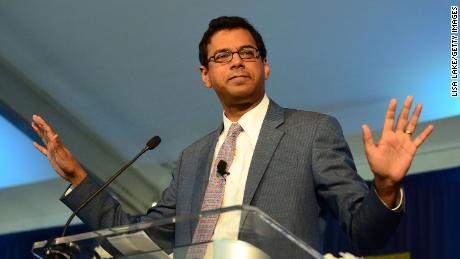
{"x": 59, "y": 156}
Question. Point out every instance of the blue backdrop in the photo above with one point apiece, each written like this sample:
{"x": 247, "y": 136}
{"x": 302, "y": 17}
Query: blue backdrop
{"x": 428, "y": 230}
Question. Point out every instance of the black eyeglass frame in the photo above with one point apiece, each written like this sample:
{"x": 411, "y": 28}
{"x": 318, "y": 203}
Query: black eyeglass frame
{"x": 256, "y": 56}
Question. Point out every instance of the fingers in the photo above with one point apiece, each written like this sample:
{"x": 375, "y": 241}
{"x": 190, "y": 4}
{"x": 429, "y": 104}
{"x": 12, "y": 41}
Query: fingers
{"x": 412, "y": 124}
{"x": 40, "y": 148}
{"x": 42, "y": 125}
{"x": 422, "y": 136}
{"x": 55, "y": 139}
{"x": 52, "y": 144}
{"x": 402, "y": 125}
{"x": 44, "y": 131}
{"x": 36, "y": 125}
{"x": 390, "y": 116}
{"x": 403, "y": 115}
{"x": 368, "y": 140}
{"x": 37, "y": 129}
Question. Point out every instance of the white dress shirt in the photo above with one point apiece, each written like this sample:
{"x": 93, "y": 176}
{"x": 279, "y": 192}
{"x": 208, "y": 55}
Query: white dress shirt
{"x": 251, "y": 122}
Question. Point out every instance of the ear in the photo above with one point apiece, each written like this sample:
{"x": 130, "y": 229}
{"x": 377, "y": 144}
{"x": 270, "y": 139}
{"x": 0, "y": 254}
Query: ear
{"x": 266, "y": 70}
{"x": 205, "y": 76}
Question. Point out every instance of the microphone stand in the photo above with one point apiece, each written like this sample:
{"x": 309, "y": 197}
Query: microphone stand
{"x": 58, "y": 251}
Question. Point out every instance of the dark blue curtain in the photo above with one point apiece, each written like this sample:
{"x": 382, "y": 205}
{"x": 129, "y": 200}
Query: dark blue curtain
{"x": 19, "y": 245}
{"x": 429, "y": 228}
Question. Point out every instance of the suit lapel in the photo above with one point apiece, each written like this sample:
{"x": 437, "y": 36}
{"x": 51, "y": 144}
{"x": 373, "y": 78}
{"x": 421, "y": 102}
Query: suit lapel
{"x": 269, "y": 138}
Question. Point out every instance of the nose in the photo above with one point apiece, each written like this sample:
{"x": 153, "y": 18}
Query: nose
{"x": 236, "y": 60}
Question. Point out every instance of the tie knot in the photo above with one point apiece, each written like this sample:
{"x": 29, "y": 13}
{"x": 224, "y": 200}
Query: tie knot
{"x": 235, "y": 130}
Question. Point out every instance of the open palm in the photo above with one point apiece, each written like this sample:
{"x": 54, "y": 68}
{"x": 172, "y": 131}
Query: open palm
{"x": 391, "y": 157}
{"x": 61, "y": 159}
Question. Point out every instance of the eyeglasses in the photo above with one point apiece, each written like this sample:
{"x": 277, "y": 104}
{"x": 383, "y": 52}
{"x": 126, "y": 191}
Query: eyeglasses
{"x": 246, "y": 53}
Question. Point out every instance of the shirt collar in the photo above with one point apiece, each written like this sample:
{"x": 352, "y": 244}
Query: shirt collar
{"x": 251, "y": 121}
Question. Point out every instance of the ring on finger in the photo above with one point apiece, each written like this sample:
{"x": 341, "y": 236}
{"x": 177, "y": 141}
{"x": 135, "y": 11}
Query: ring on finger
{"x": 408, "y": 132}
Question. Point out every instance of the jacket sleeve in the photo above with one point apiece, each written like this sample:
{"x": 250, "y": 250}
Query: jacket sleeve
{"x": 106, "y": 212}
{"x": 366, "y": 220}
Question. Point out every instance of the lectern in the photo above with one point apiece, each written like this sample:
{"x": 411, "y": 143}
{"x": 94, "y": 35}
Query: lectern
{"x": 250, "y": 234}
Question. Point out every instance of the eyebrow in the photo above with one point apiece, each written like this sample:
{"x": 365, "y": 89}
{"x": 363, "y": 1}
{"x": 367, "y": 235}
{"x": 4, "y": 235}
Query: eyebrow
{"x": 226, "y": 49}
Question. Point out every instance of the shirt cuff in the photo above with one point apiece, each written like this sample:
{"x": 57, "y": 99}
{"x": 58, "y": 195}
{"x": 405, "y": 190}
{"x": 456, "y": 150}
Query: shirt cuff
{"x": 68, "y": 191}
{"x": 399, "y": 200}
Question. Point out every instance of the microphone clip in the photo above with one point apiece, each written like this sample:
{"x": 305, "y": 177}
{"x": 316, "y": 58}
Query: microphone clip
{"x": 222, "y": 169}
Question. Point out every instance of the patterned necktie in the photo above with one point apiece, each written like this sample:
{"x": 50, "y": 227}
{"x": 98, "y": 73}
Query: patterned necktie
{"x": 214, "y": 192}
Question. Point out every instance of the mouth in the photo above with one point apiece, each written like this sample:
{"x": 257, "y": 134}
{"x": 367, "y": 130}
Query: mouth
{"x": 238, "y": 76}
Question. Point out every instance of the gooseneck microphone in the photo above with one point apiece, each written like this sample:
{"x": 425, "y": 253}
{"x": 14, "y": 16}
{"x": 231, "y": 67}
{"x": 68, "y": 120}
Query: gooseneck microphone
{"x": 56, "y": 251}
{"x": 151, "y": 144}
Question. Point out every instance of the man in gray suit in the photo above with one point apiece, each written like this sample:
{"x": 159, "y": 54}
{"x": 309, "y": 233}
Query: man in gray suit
{"x": 291, "y": 164}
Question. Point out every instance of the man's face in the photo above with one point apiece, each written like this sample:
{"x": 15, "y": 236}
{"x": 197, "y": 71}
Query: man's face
{"x": 239, "y": 81}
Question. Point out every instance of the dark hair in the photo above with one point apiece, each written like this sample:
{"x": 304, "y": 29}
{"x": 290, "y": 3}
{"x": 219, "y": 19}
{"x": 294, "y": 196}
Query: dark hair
{"x": 228, "y": 23}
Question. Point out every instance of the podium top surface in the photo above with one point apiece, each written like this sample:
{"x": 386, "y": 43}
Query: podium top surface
{"x": 248, "y": 224}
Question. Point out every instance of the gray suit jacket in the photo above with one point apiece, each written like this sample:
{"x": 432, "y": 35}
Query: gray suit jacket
{"x": 301, "y": 166}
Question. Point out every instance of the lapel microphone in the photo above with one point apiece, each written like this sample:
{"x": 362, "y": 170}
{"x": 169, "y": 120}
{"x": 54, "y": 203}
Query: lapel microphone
{"x": 221, "y": 168}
